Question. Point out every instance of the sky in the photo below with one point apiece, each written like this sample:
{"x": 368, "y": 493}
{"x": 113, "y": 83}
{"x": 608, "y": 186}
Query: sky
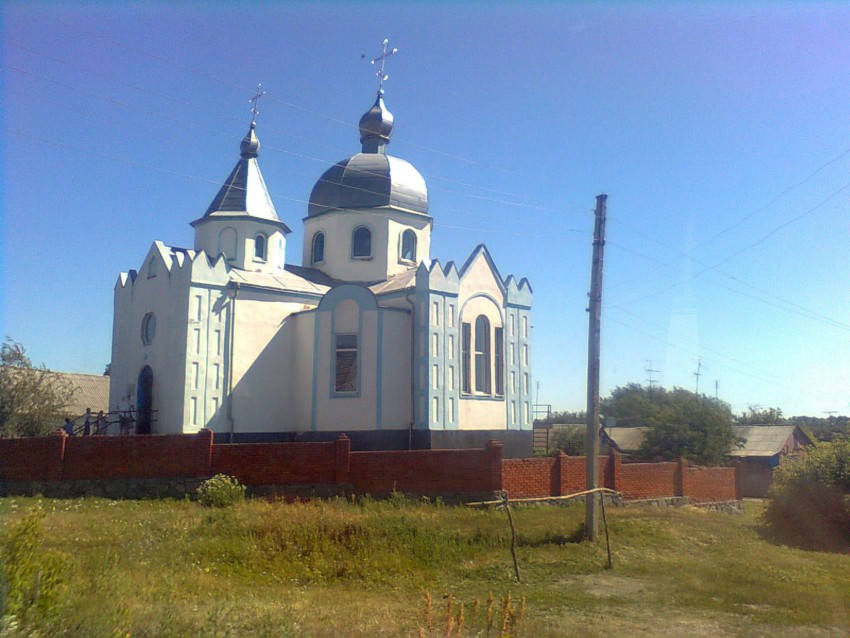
{"x": 719, "y": 132}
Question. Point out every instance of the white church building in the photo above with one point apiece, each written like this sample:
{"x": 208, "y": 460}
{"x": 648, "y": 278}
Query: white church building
{"x": 368, "y": 336}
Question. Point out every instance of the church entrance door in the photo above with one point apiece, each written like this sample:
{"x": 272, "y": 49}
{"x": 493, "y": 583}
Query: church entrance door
{"x": 144, "y": 401}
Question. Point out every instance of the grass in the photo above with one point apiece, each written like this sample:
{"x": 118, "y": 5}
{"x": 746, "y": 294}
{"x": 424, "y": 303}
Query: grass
{"x": 400, "y": 568}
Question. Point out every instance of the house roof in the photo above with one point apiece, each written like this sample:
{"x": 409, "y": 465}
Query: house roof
{"x": 626, "y": 440}
{"x": 90, "y": 391}
{"x": 759, "y": 440}
{"x": 764, "y": 440}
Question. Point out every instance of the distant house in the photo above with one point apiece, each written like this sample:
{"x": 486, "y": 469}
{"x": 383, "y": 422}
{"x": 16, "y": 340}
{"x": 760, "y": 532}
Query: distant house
{"x": 90, "y": 391}
{"x": 626, "y": 441}
{"x": 764, "y": 448}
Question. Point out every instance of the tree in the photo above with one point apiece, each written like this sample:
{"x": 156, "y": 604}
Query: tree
{"x": 31, "y": 398}
{"x": 756, "y": 415}
{"x": 681, "y": 423}
{"x": 561, "y": 417}
{"x": 810, "y": 498}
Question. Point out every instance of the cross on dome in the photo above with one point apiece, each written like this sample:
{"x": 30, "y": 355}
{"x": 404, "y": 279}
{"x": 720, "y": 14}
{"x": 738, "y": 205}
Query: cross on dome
{"x": 382, "y": 76}
{"x": 254, "y": 101}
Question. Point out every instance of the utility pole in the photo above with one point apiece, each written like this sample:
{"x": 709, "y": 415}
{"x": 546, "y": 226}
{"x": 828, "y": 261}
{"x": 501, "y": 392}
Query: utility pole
{"x": 591, "y": 512}
{"x": 698, "y": 374}
{"x": 716, "y": 387}
{"x": 650, "y": 372}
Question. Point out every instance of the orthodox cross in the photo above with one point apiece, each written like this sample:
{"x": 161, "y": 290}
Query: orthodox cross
{"x": 254, "y": 101}
{"x": 380, "y": 72}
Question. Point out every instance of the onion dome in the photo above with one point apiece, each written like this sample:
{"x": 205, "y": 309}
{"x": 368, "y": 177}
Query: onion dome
{"x": 371, "y": 178}
{"x": 376, "y": 127}
{"x": 250, "y": 146}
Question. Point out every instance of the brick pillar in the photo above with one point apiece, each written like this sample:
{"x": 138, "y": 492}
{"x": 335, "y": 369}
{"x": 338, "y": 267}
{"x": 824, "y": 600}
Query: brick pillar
{"x": 205, "y": 449}
{"x": 739, "y": 479}
{"x": 56, "y": 468}
{"x": 681, "y": 479}
{"x": 559, "y": 471}
{"x": 493, "y": 450}
{"x": 342, "y": 459}
{"x": 615, "y": 461}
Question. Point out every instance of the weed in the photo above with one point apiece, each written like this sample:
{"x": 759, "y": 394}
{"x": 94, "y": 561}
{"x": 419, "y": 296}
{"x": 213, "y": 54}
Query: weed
{"x": 221, "y": 491}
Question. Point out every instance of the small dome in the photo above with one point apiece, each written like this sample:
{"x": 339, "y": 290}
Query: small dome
{"x": 369, "y": 180}
{"x": 376, "y": 127}
{"x": 250, "y": 146}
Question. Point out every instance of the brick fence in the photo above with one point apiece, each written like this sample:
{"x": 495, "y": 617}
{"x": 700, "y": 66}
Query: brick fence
{"x": 59, "y": 458}
{"x": 561, "y": 475}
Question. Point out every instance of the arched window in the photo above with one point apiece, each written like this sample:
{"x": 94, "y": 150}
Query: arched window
{"x": 482, "y": 354}
{"x": 408, "y": 245}
{"x": 318, "y": 248}
{"x": 361, "y": 242}
{"x": 260, "y": 247}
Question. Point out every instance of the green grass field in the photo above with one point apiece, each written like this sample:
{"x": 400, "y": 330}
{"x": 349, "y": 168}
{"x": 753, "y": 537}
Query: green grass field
{"x": 399, "y": 568}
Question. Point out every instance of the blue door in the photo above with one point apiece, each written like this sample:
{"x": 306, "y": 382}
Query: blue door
{"x": 144, "y": 401}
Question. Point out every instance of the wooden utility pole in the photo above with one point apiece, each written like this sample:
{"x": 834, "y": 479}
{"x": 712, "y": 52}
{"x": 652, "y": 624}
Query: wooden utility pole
{"x": 591, "y": 512}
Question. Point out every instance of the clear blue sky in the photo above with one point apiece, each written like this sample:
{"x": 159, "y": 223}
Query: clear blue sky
{"x": 721, "y": 134}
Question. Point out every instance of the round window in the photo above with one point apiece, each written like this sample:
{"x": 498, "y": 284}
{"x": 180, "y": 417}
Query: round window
{"x": 148, "y": 328}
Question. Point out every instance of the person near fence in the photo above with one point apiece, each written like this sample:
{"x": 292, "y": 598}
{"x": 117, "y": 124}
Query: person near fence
{"x": 68, "y": 427}
{"x": 100, "y": 425}
{"x": 87, "y": 423}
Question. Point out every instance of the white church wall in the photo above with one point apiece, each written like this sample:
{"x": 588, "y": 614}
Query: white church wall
{"x": 480, "y": 410}
{"x": 261, "y": 378}
{"x": 395, "y": 374}
{"x": 159, "y": 289}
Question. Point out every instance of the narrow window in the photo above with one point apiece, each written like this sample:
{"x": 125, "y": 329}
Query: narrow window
{"x": 361, "y": 242}
{"x": 408, "y": 245}
{"x": 260, "y": 247}
{"x": 482, "y": 354}
{"x": 318, "y": 248}
{"x": 345, "y": 372}
{"x": 152, "y": 267}
{"x": 466, "y": 358}
{"x": 500, "y": 362}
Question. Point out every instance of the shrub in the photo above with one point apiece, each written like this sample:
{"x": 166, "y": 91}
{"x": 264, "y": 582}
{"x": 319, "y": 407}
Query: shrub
{"x": 31, "y": 578}
{"x": 221, "y": 491}
{"x": 811, "y": 499}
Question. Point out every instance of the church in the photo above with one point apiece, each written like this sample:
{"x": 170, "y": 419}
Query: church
{"x": 368, "y": 336}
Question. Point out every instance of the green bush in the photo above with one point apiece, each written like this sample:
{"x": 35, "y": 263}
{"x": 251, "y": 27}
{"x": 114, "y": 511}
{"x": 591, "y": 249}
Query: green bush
{"x": 810, "y": 503}
{"x": 221, "y": 491}
{"x": 31, "y": 578}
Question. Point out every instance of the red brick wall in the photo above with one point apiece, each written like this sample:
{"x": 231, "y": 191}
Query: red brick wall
{"x": 119, "y": 457}
{"x": 34, "y": 459}
{"x": 428, "y": 471}
{"x": 531, "y": 478}
{"x": 711, "y": 484}
{"x": 276, "y": 463}
{"x": 59, "y": 457}
{"x": 648, "y": 480}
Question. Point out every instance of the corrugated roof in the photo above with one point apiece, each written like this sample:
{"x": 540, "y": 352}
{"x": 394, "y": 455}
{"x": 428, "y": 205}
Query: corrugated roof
{"x": 626, "y": 439}
{"x": 762, "y": 440}
{"x": 397, "y": 282}
{"x": 285, "y": 280}
{"x": 90, "y": 391}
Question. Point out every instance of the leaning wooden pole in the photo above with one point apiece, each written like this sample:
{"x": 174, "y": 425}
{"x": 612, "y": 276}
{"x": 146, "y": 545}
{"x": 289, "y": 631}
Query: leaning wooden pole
{"x": 591, "y": 513}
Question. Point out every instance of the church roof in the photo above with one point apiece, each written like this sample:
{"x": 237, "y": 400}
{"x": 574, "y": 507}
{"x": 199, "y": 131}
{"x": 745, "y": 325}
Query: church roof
{"x": 244, "y": 192}
{"x": 286, "y": 280}
{"x": 371, "y": 178}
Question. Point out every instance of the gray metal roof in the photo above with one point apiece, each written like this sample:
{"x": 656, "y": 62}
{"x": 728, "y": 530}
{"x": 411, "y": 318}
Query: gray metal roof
{"x": 244, "y": 192}
{"x": 762, "y": 440}
{"x": 371, "y": 178}
{"x": 626, "y": 439}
